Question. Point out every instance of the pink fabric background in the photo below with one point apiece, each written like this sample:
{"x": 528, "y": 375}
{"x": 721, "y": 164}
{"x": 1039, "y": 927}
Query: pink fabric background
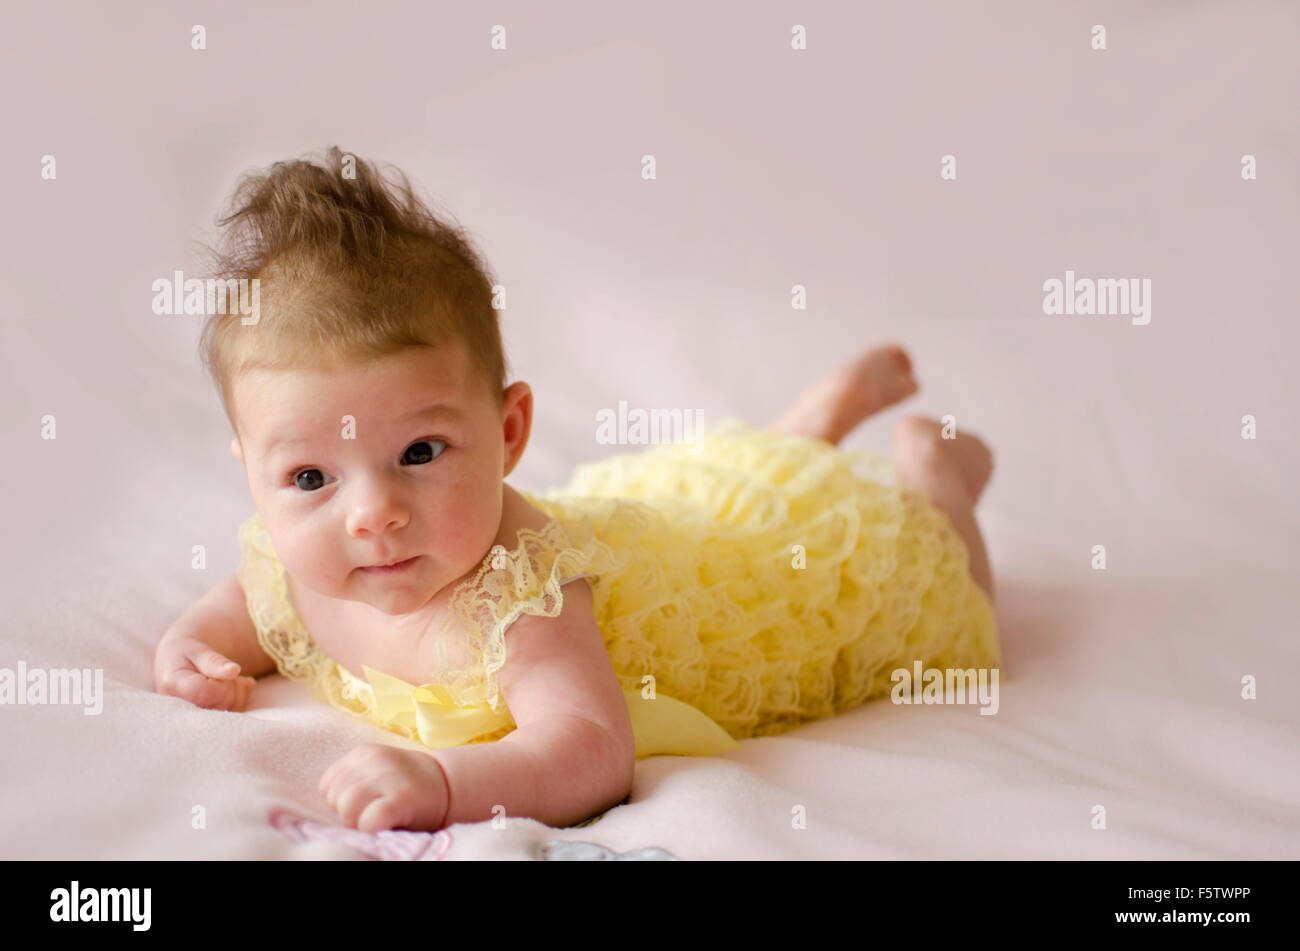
{"x": 775, "y": 168}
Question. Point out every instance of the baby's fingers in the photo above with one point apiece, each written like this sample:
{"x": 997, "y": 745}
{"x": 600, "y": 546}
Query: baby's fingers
{"x": 204, "y": 691}
{"x": 243, "y": 687}
{"x": 214, "y": 665}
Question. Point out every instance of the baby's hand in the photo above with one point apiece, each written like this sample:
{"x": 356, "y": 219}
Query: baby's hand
{"x": 377, "y": 787}
{"x": 186, "y": 667}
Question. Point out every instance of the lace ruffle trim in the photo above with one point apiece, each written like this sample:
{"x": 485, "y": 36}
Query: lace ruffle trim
{"x": 509, "y": 584}
{"x": 280, "y": 630}
{"x": 525, "y": 580}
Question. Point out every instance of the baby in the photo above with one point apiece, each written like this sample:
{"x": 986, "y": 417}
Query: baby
{"x": 757, "y": 581}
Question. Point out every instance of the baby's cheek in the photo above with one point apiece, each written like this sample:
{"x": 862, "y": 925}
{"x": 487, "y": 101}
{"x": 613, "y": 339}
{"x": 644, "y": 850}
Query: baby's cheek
{"x": 475, "y": 528}
{"x": 316, "y": 565}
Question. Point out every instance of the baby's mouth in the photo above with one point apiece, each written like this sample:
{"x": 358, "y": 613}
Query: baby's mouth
{"x": 390, "y": 567}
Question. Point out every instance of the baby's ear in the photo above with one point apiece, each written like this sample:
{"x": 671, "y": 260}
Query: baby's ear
{"x": 236, "y": 450}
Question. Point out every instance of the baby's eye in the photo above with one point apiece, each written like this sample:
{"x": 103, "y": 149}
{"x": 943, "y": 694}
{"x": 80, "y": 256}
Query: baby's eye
{"x": 309, "y": 480}
{"x": 419, "y": 453}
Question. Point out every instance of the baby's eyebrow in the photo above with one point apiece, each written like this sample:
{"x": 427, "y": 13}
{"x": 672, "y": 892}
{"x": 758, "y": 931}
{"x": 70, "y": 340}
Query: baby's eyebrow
{"x": 436, "y": 409}
{"x": 284, "y": 442}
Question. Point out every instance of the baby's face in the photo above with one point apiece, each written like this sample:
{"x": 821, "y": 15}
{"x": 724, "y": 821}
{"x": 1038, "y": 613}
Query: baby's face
{"x": 352, "y": 468}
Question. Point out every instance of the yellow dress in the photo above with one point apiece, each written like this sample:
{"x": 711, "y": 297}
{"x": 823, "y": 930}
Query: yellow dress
{"x": 744, "y": 584}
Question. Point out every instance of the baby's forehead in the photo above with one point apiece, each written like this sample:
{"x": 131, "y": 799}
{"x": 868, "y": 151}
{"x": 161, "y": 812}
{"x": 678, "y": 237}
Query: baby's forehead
{"x": 444, "y": 366}
{"x": 387, "y": 387}
{"x": 273, "y": 404}
{"x": 392, "y": 378}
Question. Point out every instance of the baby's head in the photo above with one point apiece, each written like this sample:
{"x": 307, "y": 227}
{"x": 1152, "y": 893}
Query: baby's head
{"x": 368, "y": 399}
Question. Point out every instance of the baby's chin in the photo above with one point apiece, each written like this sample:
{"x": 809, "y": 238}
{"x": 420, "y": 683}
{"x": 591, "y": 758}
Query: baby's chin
{"x": 393, "y": 595}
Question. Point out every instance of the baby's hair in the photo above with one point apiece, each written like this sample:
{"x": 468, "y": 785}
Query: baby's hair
{"x": 349, "y": 269}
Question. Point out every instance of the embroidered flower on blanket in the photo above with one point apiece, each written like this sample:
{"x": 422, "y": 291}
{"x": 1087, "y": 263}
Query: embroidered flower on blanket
{"x": 561, "y": 851}
{"x": 391, "y": 845}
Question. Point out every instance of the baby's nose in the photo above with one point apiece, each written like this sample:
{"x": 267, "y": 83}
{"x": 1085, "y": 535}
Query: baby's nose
{"x": 376, "y": 510}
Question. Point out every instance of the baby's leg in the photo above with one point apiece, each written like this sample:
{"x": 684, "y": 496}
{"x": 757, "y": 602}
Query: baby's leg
{"x": 952, "y": 473}
{"x": 832, "y": 407}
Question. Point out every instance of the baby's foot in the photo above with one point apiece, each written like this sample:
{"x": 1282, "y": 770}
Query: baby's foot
{"x": 832, "y": 408}
{"x": 950, "y": 471}
{"x": 871, "y": 382}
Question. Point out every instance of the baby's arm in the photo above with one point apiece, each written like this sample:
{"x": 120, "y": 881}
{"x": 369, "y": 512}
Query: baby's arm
{"x": 572, "y": 753}
{"x": 189, "y": 660}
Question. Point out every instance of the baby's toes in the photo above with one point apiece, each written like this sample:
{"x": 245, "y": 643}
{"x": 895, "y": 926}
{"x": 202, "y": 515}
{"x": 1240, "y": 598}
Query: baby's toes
{"x": 896, "y": 355}
{"x": 889, "y": 374}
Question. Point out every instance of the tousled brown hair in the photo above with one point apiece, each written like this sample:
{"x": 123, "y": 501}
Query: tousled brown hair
{"x": 348, "y": 269}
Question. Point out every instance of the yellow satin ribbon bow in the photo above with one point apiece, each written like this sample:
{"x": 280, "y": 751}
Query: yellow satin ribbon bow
{"x": 660, "y": 726}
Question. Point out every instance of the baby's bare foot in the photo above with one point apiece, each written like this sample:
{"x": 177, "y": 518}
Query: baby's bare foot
{"x": 873, "y": 381}
{"x": 951, "y": 471}
{"x": 833, "y": 407}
